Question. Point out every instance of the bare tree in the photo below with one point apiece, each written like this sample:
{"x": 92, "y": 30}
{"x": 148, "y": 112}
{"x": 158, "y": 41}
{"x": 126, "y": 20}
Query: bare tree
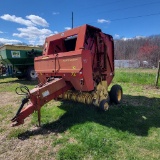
{"x": 143, "y": 49}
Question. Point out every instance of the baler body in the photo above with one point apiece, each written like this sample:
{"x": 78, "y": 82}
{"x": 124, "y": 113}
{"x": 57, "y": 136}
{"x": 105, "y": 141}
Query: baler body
{"x": 81, "y": 55}
{"x": 78, "y": 65}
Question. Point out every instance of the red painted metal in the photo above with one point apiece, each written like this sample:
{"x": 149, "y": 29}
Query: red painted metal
{"x": 92, "y": 54}
{"x": 79, "y": 58}
{"x": 41, "y": 95}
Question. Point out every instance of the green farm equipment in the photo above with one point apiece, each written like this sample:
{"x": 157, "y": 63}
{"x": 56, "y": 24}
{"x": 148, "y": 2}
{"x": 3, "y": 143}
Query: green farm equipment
{"x": 19, "y": 60}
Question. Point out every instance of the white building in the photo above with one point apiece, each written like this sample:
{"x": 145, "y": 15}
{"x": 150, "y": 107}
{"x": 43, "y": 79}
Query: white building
{"x": 127, "y": 63}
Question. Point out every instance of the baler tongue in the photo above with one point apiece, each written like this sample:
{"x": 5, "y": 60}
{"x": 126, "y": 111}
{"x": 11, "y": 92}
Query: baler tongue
{"x": 22, "y": 114}
{"x": 17, "y": 123}
{"x": 37, "y": 97}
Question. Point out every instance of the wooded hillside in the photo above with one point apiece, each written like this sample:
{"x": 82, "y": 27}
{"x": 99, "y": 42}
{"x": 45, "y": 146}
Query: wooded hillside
{"x": 143, "y": 49}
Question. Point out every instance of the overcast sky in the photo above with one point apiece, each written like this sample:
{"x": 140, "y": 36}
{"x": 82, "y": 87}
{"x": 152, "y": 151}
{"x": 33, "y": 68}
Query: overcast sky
{"x": 31, "y": 21}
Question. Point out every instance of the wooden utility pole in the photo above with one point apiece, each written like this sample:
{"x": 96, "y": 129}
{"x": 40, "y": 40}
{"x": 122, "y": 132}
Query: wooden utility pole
{"x": 158, "y": 73}
{"x": 72, "y": 19}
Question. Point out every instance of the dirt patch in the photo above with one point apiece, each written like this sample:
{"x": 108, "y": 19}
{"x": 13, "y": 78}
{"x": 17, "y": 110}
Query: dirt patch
{"x": 9, "y": 98}
{"x": 22, "y": 148}
{"x": 39, "y": 146}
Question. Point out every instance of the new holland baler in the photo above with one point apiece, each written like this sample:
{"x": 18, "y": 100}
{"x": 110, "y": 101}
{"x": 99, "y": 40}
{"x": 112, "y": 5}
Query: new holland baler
{"x": 77, "y": 65}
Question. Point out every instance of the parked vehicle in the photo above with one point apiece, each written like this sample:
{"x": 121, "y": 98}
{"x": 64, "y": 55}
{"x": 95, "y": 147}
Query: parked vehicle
{"x": 20, "y": 60}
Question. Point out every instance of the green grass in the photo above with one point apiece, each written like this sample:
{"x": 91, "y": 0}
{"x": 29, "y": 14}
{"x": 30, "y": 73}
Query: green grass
{"x": 137, "y": 76}
{"x": 77, "y": 131}
{"x": 15, "y": 133}
{"x": 49, "y": 112}
{"x": 9, "y": 84}
{"x": 125, "y": 132}
{"x": 4, "y": 113}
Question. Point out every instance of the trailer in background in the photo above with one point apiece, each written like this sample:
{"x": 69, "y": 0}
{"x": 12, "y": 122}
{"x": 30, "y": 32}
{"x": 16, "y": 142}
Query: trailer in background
{"x": 127, "y": 63}
{"x": 3, "y": 69}
{"x": 19, "y": 60}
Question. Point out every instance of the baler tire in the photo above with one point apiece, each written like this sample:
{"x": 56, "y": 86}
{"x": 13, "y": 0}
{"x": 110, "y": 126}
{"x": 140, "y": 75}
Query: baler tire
{"x": 31, "y": 74}
{"x": 116, "y": 94}
{"x": 20, "y": 77}
{"x": 102, "y": 104}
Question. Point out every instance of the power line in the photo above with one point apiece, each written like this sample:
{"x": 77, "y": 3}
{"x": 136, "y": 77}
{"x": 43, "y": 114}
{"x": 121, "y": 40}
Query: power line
{"x": 140, "y": 16}
{"x": 140, "y": 5}
{"x": 126, "y": 18}
{"x": 114, "y": 2}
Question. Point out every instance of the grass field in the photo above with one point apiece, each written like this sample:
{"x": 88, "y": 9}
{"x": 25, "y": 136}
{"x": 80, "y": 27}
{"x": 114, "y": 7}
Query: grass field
{"x": 72, "y": 131}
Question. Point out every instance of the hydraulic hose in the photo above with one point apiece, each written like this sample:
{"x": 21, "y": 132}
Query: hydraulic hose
{"x": 23, "y": 90}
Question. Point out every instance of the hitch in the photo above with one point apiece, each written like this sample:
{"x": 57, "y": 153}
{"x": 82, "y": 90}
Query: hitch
{"x": 22, "y": 112}
{"x": 25, "y": 112}
{"x": 22, "y": 90}
{"x": 24, "y": 101}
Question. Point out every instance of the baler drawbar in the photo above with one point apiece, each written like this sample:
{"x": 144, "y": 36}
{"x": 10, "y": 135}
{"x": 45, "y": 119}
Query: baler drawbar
{"x": 77, "y": 65}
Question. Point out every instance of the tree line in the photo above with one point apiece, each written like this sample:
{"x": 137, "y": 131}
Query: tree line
{"x": 142, "y": 49}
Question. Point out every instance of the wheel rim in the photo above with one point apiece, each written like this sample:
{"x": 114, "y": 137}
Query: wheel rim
{"x": 33, "y": 74}
{"x": 119, "y": 95}
{"x": 106, "y": 106}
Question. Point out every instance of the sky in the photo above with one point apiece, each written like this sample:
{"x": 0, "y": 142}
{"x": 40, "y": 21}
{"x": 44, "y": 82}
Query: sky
{"x": 31, "y": 21}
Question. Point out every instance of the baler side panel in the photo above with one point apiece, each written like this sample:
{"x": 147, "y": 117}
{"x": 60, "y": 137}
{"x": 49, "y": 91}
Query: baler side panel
{"x": 109, "y": 56}
{"x": 81, "y": 38}
{"x": 62, "y": 63}
{"x": 68, "y": 66}
{"x": 87, "y": 70}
